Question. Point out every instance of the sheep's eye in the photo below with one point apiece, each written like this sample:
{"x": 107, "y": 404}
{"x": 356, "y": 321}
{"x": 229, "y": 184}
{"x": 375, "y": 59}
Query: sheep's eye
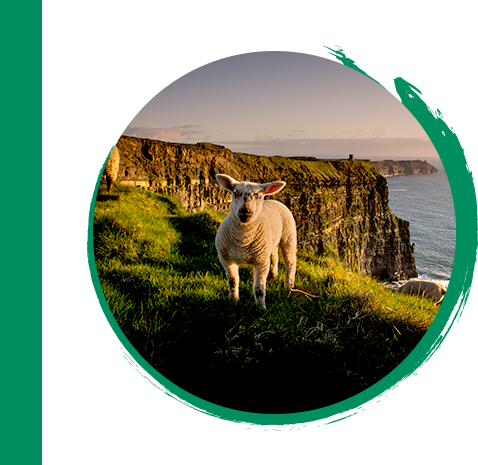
{"x": 237, "y": 194}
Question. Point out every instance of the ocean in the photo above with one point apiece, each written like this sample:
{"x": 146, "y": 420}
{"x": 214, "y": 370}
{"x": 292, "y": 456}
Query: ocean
{"x": 425, "y": 201}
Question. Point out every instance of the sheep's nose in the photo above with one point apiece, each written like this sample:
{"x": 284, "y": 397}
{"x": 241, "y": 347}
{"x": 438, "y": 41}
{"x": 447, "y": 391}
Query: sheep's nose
{"x": 244, "y": 213}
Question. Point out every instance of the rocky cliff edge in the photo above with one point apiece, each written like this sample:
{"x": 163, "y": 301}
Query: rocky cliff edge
{"x": 340, "y": 206}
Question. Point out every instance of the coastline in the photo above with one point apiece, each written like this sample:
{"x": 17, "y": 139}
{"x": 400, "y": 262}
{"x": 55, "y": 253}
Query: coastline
{"x": 389, "y": 168}
{"x": 427, "y": 204}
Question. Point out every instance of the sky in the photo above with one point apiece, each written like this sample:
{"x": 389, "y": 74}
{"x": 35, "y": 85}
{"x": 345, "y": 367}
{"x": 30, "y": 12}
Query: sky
{"x": 282, "y": 103}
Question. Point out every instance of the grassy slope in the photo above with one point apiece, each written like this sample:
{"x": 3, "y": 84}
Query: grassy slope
{"x": 160, "y": 274}
{"x": 320, "y": 171}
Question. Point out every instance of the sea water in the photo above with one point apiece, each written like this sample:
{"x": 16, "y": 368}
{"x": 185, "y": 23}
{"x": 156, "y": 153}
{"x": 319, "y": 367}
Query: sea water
{"x": 425, "y": 201}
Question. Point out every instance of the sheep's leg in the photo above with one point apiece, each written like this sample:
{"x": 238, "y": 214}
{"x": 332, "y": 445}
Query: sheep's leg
{"x": 259, "y": 287}
{"x": 289, "y": 252}
{"x": 290, "y": 274}
{"x": 232, "y": 274}
{"x": 275, "y": 263}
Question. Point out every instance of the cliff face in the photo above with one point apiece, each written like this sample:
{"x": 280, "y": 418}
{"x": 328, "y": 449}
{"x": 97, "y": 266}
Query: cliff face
{"x": 340, "y": 207}
{"x": 392, "y": 167}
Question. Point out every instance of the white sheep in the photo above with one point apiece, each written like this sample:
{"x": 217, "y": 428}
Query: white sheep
{"x": 251, "y": 233}
{"x": 101, "y": 146}
{"x": 428, "y": 289}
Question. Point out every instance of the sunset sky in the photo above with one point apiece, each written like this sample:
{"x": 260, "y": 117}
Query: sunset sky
{"x": 279, "y": 103}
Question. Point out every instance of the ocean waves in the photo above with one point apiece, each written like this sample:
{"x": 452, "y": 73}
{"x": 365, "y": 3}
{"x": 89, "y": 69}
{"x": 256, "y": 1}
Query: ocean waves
{"x": 425, "y": 201}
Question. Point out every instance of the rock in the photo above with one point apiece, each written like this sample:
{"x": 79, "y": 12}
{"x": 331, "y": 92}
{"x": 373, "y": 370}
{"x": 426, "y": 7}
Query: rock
{"x": 398, "y": 167}
{"x": 428, "y": 289}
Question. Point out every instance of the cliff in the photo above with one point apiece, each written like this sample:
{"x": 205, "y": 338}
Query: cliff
{"x": 340, "y": 206}
{"x": 400, "y": 167}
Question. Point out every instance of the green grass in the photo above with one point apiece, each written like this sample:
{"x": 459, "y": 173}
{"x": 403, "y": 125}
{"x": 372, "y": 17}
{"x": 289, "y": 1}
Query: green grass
{"x": 293, "y": 170}
{"x": 161, "y": 277}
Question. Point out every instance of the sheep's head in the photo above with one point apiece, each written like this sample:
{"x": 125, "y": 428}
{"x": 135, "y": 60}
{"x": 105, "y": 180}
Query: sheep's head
{"x": 247, "y": 197}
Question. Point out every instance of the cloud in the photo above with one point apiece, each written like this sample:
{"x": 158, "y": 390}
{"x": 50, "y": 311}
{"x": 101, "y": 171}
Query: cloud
{"x": 379, "y": 131}
{"x": 174, "y": 134}
{"x": 295, "y": 133}
{"x": 186, "y": 126}
{"x": 264, "y": 137}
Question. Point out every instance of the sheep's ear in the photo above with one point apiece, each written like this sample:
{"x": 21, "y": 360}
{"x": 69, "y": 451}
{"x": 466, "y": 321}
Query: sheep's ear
{"x": 273, "y": 187}
{"x": 226, "y": 182}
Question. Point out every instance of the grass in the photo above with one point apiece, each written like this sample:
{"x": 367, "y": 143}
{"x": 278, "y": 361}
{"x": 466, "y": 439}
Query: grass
{"x": 159, "y": 271}
{"x": 293, "y": 170}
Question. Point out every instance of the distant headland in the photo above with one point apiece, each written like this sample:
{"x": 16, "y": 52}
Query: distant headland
{"x": 384, "y": 167}
{"x": 401, "y": 167}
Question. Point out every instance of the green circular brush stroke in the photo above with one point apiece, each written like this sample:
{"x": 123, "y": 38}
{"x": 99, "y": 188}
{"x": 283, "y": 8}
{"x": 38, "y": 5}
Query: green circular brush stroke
{"x": 446, "y": 144}
{"x": 464, "y": 198}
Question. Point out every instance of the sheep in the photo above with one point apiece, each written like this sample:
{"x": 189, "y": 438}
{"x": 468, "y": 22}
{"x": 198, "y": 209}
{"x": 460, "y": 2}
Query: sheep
{"x": 101, "y": 146}
{"x": 429, "y": 289}
{"x": 251, "y": 233}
